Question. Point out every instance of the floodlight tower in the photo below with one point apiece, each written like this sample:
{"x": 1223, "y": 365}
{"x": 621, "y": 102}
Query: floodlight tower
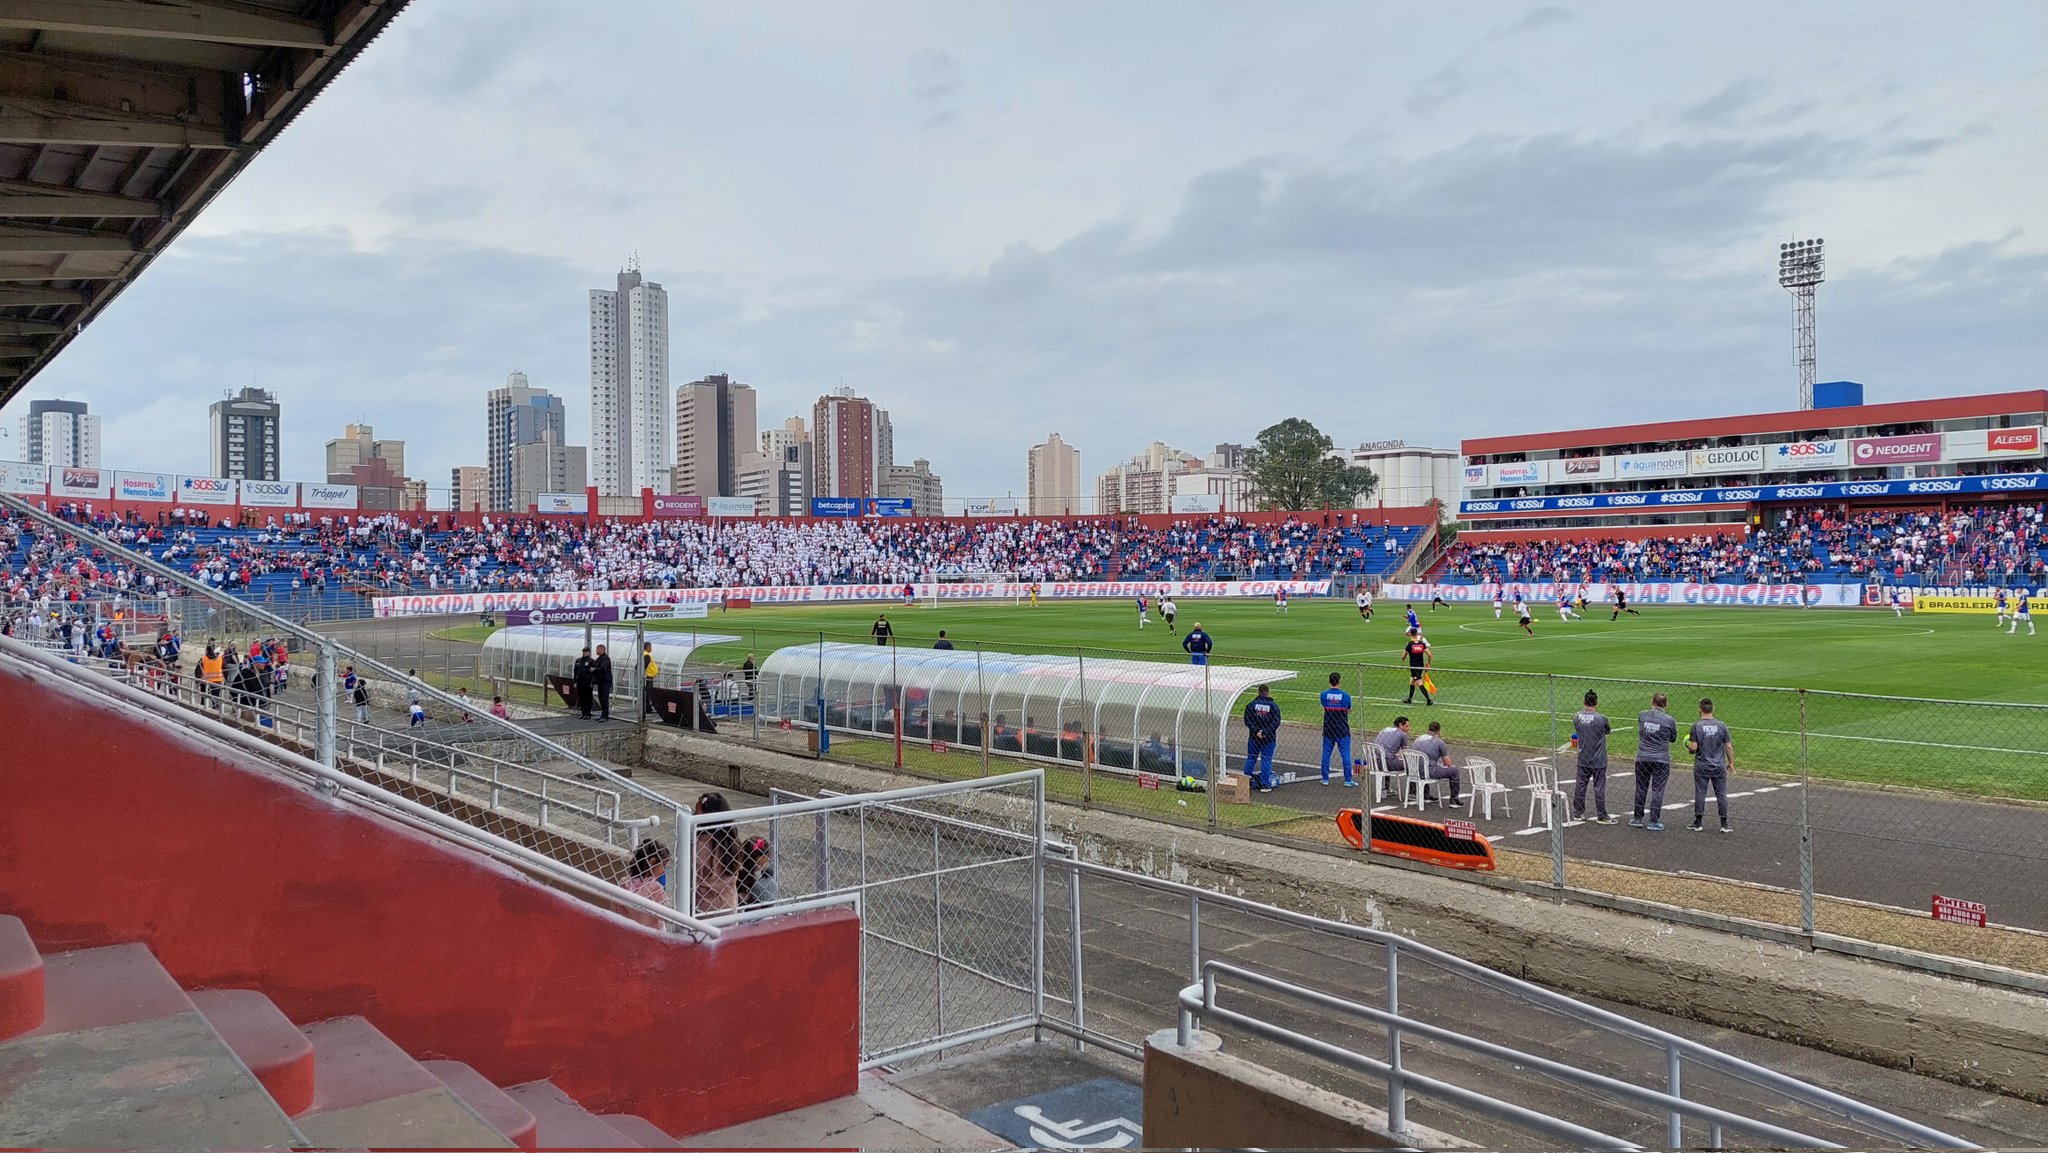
{"x": 1800, "y": 271}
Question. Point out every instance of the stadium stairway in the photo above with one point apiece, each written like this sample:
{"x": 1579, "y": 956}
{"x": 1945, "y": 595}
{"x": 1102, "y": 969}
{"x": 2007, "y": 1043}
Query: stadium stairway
{"x": 100, "y": 1048}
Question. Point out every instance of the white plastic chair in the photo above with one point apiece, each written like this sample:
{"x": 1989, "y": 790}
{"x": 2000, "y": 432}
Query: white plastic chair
{"x": 1542, "y": 789}
{"x": 1415, "y": 771}
{"x": 1482, "y": 782}
{"x": 1385, "y": 778}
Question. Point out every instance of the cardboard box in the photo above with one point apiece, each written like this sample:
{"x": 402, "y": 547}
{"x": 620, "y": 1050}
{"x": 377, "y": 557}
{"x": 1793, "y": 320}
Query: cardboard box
{"x": 1233, "y": 789}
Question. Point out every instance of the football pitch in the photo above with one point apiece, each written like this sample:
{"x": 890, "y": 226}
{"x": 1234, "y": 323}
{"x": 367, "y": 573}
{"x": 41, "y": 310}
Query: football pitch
{"x": 1973, "y": 724}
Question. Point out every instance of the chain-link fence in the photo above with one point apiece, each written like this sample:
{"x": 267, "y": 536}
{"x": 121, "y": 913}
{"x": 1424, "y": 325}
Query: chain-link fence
{"x": 1849, "y": 814}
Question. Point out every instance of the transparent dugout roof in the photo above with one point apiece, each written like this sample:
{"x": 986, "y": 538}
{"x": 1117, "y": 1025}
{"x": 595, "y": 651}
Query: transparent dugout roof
{"x": 528, "y": 653}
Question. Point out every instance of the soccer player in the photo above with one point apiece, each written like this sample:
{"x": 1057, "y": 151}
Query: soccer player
{"x": 1364, "y": 602}
{"x": 1413, "y": 621}
{"x": 1564, "y": 606}
{"x": 1034, "y": 594}
{"x": 1655, "y": 730}
{"x": 909, "y": 595}
{"x": 1262, "y": 734}
{"x": 1496, "y": 602}
{"x": 1280, "y": 599}
{"x": 1167, "y": 609}
{"x": 1891, "y": 597}
{"x": 1417, "y": 651}
{"x": 1522, "y": 614}
{"x": 1436, "y": 601}
{"x": 1143, "y": 618}
{"x": 1589, "y": 733}
{"x": 1713, "y": 758}
{"x": 1621, "y": 604}
{"x": 1337, "y": 730}
{"x": 2003, "y": 607}
{"x": 2022, "y": 614}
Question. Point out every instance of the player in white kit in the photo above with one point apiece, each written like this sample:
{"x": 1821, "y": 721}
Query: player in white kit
{"x": 1496, "y": 604}
{"x": 1364, "y": 602}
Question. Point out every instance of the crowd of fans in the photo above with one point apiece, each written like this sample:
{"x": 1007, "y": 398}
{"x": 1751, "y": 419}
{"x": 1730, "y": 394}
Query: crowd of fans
{"x": 1981, "y": 544}
{"x": 529, "y": 554}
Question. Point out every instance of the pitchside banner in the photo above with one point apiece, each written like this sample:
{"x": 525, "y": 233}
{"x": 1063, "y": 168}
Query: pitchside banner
{"x": 327, "y": 496}
{"x": 1932, "y": 486}
{"x": 142, "y": 485}
{"x": 1957, "y": 599}
{"x": 86, "y": 482}
{"x": 1650, "y": 593}
{"x": 270, "y": 493}
{"x": 206, "y": 490}
{"x": 689, "y": 602}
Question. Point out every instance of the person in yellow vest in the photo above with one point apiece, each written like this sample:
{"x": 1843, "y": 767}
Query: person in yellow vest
{"x": 649, "y": 669}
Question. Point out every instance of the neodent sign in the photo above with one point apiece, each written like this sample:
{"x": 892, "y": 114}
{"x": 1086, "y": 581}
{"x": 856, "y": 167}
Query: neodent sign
{"x": 1883, "y": 450}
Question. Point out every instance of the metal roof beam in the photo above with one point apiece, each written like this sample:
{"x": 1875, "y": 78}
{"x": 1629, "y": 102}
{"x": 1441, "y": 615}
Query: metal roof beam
{"x": 39, "y": 240}
{"x": 16, "y": 350}
{"x": 30, "y": 328}
{"x": 167, "y": 20}
{"x": 60, "y": 122}
{"x": 37, "y": 199}
{"x": 38, "y": 297}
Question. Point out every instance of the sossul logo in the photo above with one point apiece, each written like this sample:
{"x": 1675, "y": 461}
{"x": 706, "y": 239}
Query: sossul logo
{"x": 1808, "y": 448}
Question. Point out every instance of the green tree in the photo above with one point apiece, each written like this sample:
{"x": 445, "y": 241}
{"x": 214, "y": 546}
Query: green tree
{"x": 1291, "y": 468}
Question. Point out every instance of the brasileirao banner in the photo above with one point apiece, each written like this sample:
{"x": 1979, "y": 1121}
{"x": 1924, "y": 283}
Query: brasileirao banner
{"x": 1541, "y": 594}
{"x": 437, "y": 604}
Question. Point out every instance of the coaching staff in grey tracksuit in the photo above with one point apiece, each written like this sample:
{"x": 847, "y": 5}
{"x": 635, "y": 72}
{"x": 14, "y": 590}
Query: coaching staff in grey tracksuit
{"x": 1713, "y": 758}
{"x": 1655, "y": 730}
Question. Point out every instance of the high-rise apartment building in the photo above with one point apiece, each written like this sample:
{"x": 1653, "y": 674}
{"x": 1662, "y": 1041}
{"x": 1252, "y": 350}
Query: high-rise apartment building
{"x": 1052, "y": 478}
{"x": 852, "y": 446}
{"x": 469, "y": 488}
{"x": 1144, "y": 483}
{"x": 547, "y": 465}
{"x": 630, "y": 421}
{"x": 356, "y": 447}
{"x": 515, "y": 415}
{"x": 778, "y": 481}
{"x": 916, "y": 483}
{"x": 242, "y": 435}
{"x": 61, "y": 433}
{"x": 774, "y": 440}
{"x": 715, "y": 421}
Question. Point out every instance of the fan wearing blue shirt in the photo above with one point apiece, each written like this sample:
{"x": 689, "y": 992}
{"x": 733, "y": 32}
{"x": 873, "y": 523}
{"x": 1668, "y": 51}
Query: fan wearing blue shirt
{"x": 1337, "y": 730}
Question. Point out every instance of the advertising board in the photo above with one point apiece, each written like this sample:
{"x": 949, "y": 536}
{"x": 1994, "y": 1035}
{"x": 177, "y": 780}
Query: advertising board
{"x": 1741, "y": 458}
{"x": 676, "y": 506}
{"x": 1646, "y": 592}
{"x": 569, "y": 502}
{"x": 1991, "y": 443}
{"x": 81, "y": 482}
{"x": 687, "y": 600}
{"x": 723, "y": 506}
{"x": 1652, "y": 464}
{"x": 206, "y": 490}
{"x": 1930, "y": 603}
{"x": 1801, "y": 455}
{"x": 1475, "y": 476}
{"x": 2014, "y": 482}
{"x": 327, "y": 496}
{"x": 1578, "y": 468}
{"x": 270, "y": 493}
{"x": 1876, "y": 452}
{"x": 19, "y": 478}
{"x": 1525, "y": 472}
{"x": 835, "y": 506}
{"x": 142, "y": 485}
{"x": 889, "y": 506}
{"x": 1197, "y": 502}
{"x": 998, "y": 506}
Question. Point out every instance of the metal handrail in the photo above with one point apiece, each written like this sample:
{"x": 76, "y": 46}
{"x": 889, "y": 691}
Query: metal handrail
{"x": 1675, "y": 1046}
{"x": 1199, "y": 1000}
{"x": 124, "y": 696}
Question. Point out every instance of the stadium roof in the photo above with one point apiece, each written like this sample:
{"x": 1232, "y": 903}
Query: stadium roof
{"x": 120, "y": 120}
{"x": 1797, "y": 420}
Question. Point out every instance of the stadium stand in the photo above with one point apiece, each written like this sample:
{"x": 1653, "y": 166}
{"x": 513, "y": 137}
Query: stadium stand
{"x": 1987, "y": 544}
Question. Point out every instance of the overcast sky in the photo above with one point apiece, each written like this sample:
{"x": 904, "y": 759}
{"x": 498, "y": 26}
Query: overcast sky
{"x": 1122, "y": 222}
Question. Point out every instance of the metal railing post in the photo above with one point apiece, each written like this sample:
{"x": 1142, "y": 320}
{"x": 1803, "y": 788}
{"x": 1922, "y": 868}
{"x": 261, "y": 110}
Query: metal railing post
{"x": 939, "y": 935}
{"x": 1074, "y": 945}
{"x": 1087, "y": 731}
{"x": 1038, "y": 907}
{"x": 1194, "y": 936}
{"x": 326, "y": 700}
{"x": 981, "y": 690}
{"x": 1558, "y": 807}
{"x": 1215, "y": 755}
{"x": 640, "y": 674}
{"x": 1674, "y": 1130}
{"x": 1397, "y": 1086}
{"x": 682, "y": 886}
{"x": 1805, "y": 831}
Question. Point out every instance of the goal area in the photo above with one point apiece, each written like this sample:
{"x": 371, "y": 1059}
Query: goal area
{"x": 1013, "y": 588}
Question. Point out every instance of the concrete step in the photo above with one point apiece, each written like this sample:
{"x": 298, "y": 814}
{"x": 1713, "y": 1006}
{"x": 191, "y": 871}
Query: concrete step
{"x": 488, "y": 1101}
{"x": 21, "y": 980}
{"x": 115, "y": 985}
{"x": 642, "y": 1130}
{"x": 369, "y": 1093}
{"x": 267, "y": 1042}
{"x": 564, "y": 1124}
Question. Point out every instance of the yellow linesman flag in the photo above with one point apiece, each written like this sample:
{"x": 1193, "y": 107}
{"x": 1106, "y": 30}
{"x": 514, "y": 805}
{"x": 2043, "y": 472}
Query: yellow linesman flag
{"x": 1429, "y": 683}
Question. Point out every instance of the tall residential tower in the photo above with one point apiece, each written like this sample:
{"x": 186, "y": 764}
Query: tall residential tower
{"x": 715, "y": 419}
{"x": 630, "y": 420}
{"x": 1052, "y": 480}
{"x": 518, "y": 415}
{"x": 61, "y": 433}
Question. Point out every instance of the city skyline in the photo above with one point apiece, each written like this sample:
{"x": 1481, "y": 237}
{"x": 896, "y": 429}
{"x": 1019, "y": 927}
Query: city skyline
{"x": 1426, "y": 224}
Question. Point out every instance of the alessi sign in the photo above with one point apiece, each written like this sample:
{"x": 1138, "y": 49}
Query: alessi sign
{"x": 2013, "y": 439}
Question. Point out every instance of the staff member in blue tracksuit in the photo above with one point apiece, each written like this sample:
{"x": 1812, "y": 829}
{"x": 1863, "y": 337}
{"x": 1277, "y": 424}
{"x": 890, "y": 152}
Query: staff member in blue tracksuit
{"x": 1337, "y": 730}
{"x": 1197, "y": 644}
{"x": 1262, "y": 729}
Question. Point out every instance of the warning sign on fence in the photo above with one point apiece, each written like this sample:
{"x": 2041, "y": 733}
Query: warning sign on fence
{"x": 1460, "y": 830}
{"x": 1147, "y": 781}
{"x": 1958, "y": 912}
{"x": 941, "y": 747}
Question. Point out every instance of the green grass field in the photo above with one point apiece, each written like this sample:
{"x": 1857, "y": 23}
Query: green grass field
{"x": 1498, "y": 686}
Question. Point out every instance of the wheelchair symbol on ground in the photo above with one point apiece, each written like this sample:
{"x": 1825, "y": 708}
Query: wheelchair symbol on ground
{"x": 1097, "y": 1114}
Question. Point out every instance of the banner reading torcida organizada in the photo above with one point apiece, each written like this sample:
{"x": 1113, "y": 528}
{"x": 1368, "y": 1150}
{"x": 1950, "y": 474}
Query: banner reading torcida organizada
{"x": 1544, "y": 593}
{"x": 442, "y": 603}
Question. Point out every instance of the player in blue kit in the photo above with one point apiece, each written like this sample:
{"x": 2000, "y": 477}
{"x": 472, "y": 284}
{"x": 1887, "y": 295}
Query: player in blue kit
{"x": 1337, "y": 730}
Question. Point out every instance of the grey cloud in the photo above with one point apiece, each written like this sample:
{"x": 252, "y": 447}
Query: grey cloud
{"x": 936, "y": 80}
{"x": 1535, "y": 19}
{"x": 1438, "y": 88}
{"x": 1725, "y": 106}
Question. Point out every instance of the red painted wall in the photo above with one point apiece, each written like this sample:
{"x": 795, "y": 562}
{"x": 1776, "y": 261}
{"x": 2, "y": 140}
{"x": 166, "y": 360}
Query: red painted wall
{"x": 114, "y": 831}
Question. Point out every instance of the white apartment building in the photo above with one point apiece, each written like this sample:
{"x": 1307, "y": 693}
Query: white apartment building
{"x": 631, "y": 419}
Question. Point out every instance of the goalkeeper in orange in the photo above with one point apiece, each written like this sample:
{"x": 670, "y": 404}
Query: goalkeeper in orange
{"x": 1417, "y": 650}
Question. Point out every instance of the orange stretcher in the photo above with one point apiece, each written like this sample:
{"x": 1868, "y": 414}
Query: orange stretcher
{"x": 1411, "y": 838}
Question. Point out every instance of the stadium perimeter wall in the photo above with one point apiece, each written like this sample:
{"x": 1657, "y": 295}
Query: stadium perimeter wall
{"x": 1543, "y": 594}
{"x": 114, "y": 830}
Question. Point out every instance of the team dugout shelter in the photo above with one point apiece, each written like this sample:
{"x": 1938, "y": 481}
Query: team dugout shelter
{"x": 1677, "y": 477}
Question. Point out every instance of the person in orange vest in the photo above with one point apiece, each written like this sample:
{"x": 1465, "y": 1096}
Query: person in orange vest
{"x": 212, "y": 672}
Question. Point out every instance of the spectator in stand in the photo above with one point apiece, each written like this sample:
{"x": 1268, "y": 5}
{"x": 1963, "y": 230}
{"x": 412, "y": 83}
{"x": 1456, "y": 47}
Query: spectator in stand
{"x": 498, "y": 708}
{"x": 644, "y": 878}
{"x": 718, "y": 859}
